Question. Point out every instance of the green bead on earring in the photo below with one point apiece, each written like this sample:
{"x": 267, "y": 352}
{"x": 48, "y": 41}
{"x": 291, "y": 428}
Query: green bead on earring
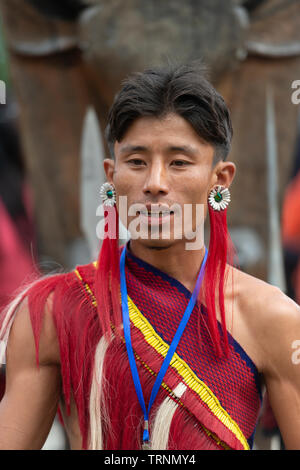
{"x": 108, "y": 194}
{"x": 219, "y": 198}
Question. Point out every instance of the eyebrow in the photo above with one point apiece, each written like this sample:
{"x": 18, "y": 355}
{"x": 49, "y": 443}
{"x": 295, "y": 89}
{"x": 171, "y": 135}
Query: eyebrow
{"x": 188, "y": 149}
{"x": 133, "y": 148}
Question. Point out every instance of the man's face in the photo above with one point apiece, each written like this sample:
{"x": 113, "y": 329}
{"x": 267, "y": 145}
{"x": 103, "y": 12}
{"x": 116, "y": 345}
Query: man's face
{"x": 158, "y": 163}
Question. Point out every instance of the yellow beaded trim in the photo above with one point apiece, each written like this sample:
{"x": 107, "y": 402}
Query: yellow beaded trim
{"x": 179, "y": 402}
{"x": 190, "y": 378}
{"x": 185, "y": 372}
{"x": 94, "y": 302}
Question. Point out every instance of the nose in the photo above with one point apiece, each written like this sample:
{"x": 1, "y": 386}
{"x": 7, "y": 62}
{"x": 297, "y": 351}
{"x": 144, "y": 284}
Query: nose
{"x": 156, "y": 180}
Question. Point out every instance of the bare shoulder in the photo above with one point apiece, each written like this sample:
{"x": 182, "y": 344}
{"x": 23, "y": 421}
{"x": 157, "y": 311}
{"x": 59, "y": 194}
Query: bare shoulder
{"x": 266, "y": 303}
{"x": 271, "y": 318}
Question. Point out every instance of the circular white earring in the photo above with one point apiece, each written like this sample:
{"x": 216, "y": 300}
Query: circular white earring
{"x": 219, "y": 198}
{"x": 108, "y": 194}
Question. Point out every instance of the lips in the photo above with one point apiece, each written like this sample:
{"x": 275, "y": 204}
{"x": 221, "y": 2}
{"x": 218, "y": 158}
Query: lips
{"x": 156, "y": 210}
{"x": 156, "y": 213}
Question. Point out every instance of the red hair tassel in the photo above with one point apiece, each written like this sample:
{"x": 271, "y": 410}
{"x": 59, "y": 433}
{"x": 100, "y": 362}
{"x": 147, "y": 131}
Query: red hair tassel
{"x": 107, "y": 280}
{"x": 221, "y": 251}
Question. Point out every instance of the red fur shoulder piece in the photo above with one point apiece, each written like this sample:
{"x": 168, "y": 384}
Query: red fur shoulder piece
{"x": 78, "y": 330}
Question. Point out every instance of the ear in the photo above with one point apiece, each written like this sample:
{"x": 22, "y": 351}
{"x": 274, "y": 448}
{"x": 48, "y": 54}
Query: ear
{"x": 109, "y": 168}
{"x": 223, "y": 174}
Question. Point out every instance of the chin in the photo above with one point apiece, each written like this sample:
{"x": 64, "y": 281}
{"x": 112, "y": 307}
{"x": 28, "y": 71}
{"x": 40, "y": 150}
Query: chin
{"x": 158, "y": 244}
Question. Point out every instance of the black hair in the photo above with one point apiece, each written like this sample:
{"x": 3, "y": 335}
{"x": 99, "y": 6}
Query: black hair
{"x": 183, "y": 90}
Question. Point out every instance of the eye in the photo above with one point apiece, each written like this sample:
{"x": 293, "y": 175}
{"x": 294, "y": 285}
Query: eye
{"x": 180, "y": 163}
{"x": 136, "y": 162}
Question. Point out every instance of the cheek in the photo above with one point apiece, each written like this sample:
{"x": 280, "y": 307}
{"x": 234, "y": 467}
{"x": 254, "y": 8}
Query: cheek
{"x": 196, "y": 188}
{"x": 122, "y": 182}
{"x": 126, "y": 192}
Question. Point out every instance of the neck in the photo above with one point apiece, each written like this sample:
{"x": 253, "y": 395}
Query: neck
{"x": 173, "y": 260}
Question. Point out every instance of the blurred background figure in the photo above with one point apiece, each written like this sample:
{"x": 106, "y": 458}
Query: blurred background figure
{"x": 291, "y": 227}
{"x": 18, "y": 241}
{"x": 17, "y": 229}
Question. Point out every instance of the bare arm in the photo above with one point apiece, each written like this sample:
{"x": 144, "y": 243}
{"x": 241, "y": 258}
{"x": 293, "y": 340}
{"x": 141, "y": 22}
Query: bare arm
{"x": 30, "y": 402}
{"x": 282, "y": 374}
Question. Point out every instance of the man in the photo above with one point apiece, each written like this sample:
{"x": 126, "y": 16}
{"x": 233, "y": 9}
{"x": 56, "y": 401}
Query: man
{"x": 169, "y": 134}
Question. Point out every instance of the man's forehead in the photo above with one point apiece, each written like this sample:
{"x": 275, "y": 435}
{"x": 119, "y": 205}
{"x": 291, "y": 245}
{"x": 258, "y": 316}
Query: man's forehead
{"x": 170, "y": 122}
{"x": 171, "y": 132}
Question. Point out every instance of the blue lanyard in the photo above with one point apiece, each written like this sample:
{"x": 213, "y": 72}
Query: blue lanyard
{"x": 171, "y": 350}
